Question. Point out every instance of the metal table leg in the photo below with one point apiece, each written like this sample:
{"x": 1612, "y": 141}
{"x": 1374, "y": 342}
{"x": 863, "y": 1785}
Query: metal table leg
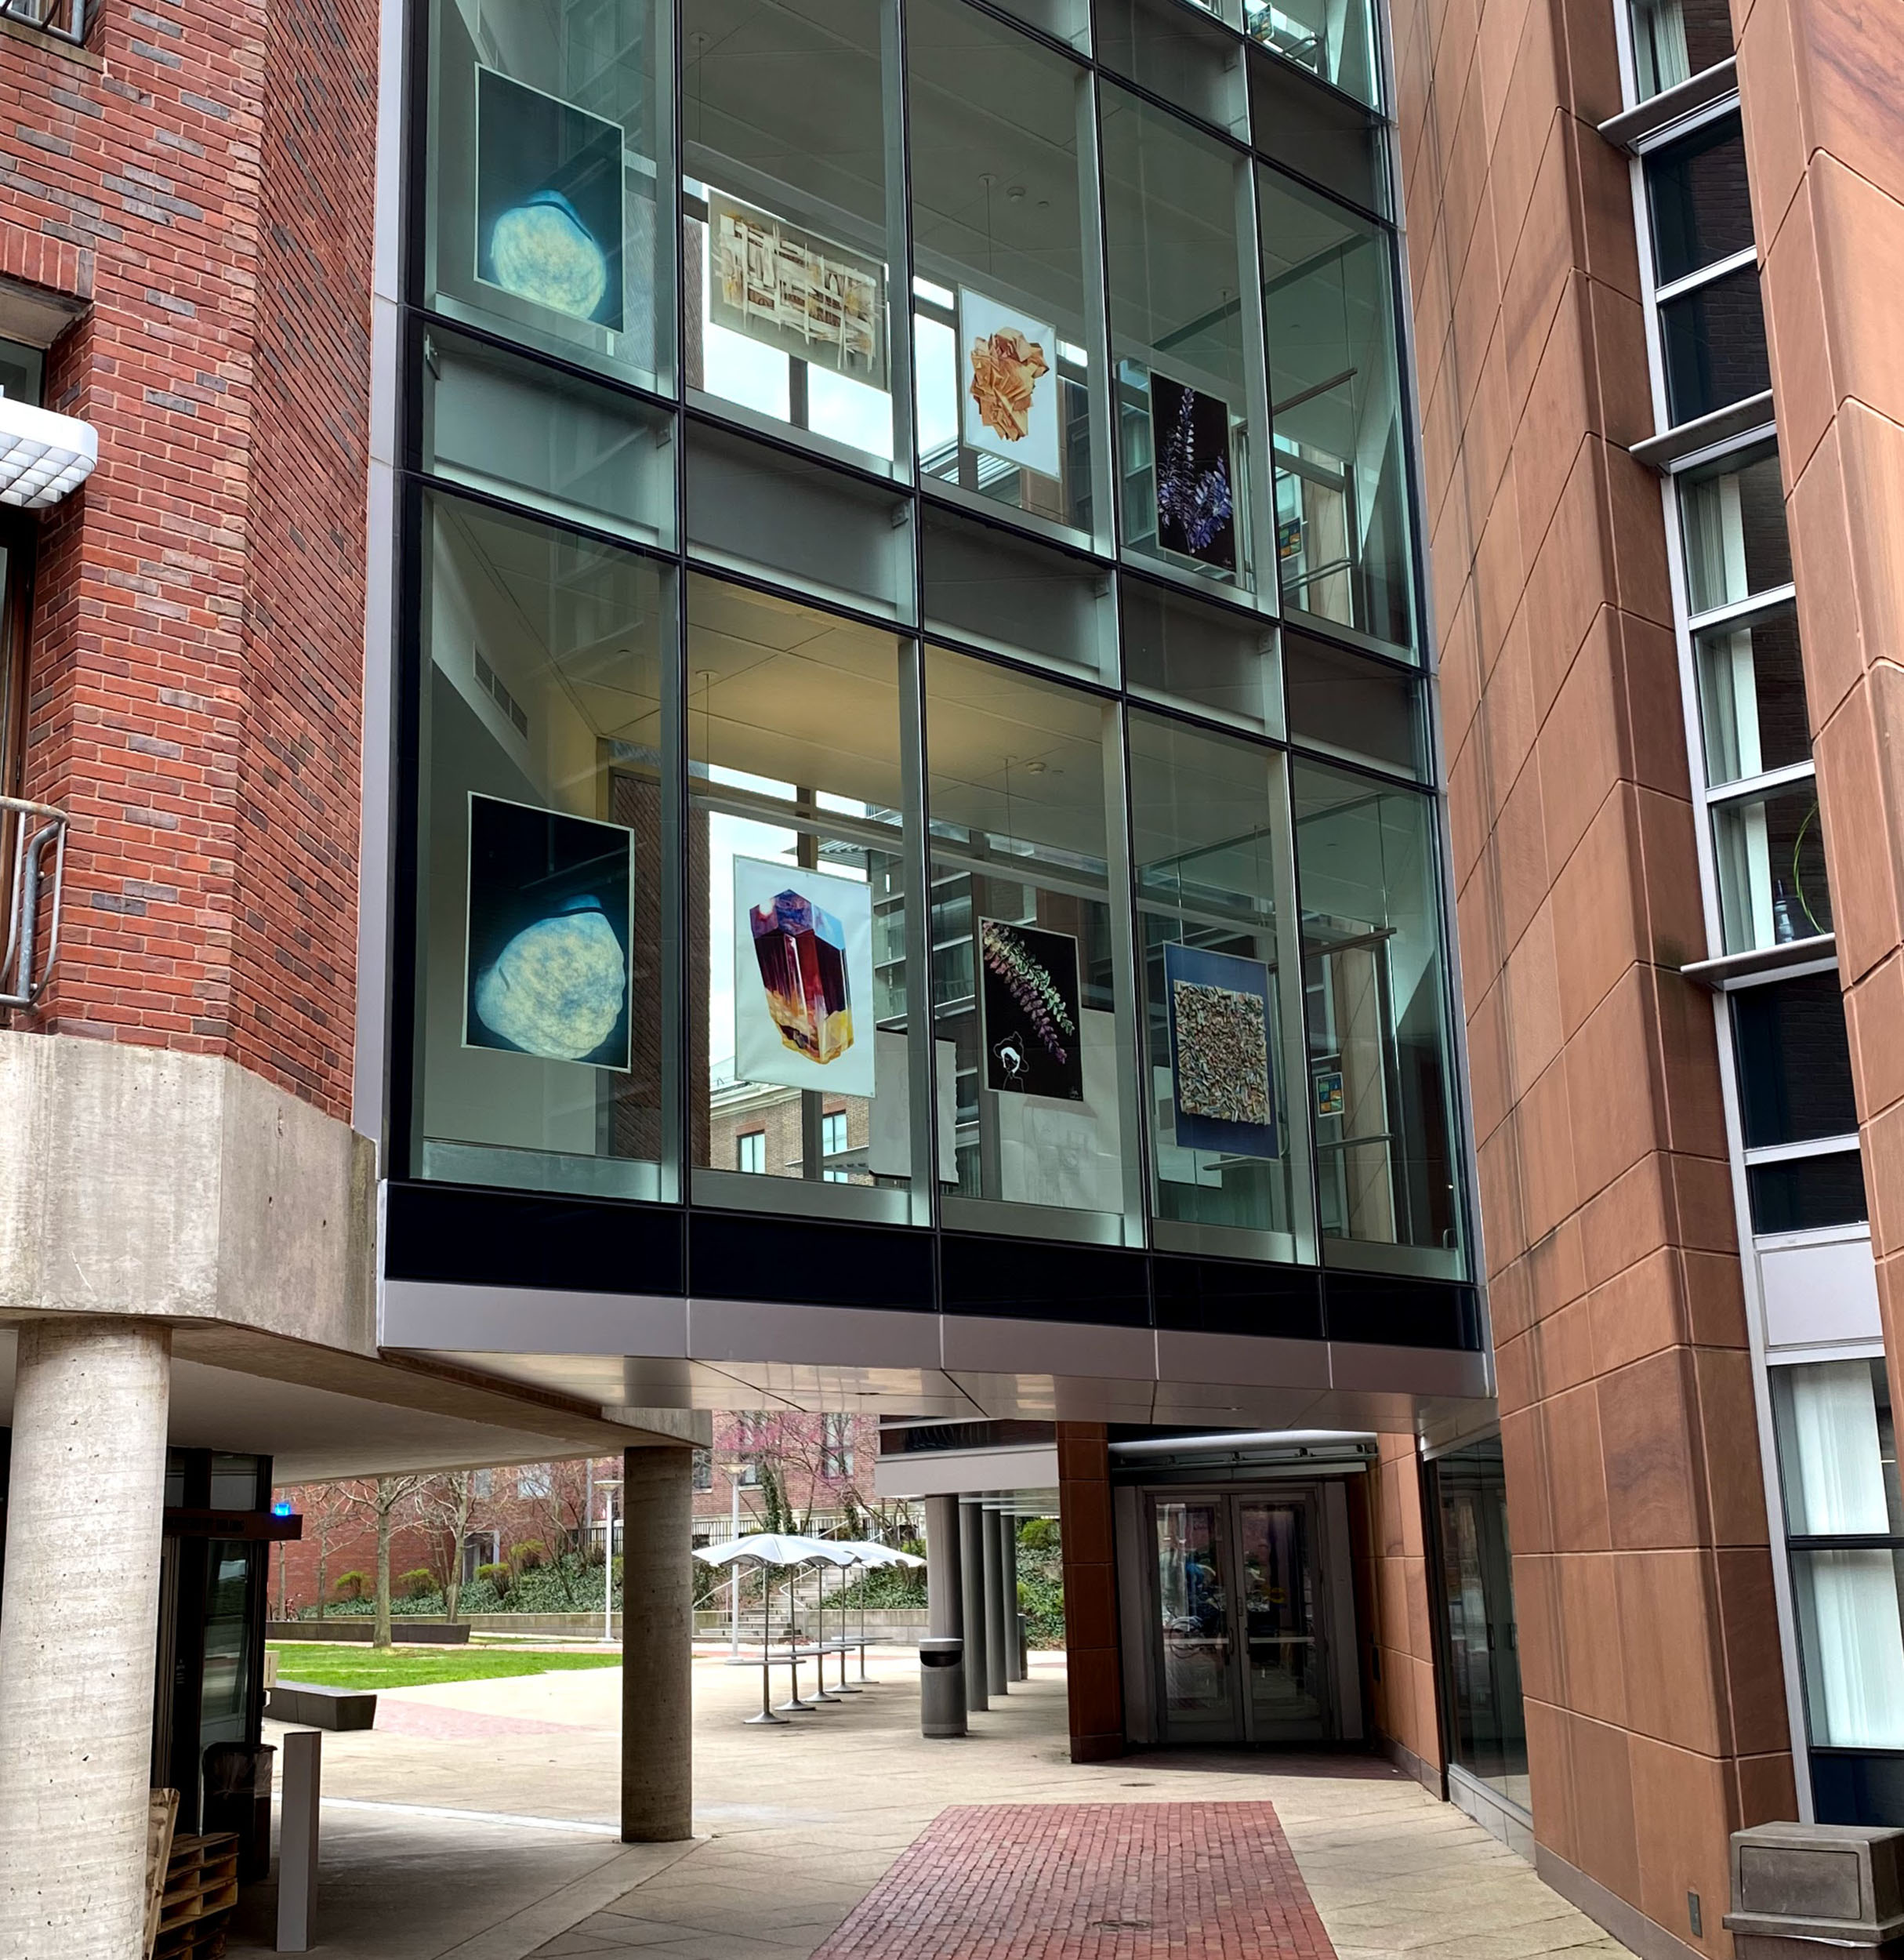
{"x": 766, "y": 1714}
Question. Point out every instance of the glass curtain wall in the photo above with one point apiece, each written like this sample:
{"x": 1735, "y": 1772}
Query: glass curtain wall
{"x": 884, "y": 604}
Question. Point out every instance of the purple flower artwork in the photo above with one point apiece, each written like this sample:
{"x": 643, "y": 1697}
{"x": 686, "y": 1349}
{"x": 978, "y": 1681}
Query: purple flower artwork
{"x": 1190, "y": 435}
{"x": 1029, "y": 998}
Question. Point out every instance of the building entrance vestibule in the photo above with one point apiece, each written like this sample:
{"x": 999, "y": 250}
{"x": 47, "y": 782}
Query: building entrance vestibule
{"x": 1242, "y": 1646}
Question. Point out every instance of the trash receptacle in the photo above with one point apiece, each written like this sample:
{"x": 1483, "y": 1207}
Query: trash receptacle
{"x": 941, "y": 1686}
{"x": 1024, "y": 1648}
{"x": 237, "y": 1797}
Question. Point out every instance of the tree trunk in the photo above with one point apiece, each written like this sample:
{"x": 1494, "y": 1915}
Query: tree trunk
{"x": 452, "y": 1593}
{"x": 385, "y": 1503}
{"x": 324, "y": 1559}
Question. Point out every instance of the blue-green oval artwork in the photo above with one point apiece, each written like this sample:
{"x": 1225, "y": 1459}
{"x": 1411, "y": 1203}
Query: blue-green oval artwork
{"x": 557, "y": 989}
{"x": 542, "y": 252}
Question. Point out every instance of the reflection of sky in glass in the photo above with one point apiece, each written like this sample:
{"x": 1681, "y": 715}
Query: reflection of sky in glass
{"x": 939, "y": 384}
{"x": 729, "y": 837}
{"x": 760, "y": 378}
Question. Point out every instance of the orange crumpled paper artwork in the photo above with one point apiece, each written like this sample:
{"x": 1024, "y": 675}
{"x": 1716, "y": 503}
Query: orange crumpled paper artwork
{"x": 1005, "y": 366}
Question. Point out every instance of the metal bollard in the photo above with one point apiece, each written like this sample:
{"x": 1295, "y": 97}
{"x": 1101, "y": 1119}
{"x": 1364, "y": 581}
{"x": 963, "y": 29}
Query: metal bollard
{"x": 297, "y": 1841}
{"x": 941, "y": 1687}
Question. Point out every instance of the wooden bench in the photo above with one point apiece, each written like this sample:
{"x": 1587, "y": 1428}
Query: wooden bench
{"x": 316, "y": 1707}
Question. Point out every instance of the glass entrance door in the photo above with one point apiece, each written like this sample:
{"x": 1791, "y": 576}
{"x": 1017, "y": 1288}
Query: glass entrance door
{"x": 1243, "y": 1654}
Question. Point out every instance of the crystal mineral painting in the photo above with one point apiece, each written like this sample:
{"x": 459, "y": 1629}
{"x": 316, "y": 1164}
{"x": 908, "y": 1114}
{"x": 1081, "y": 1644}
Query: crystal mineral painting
{"x": 1219, "y": 1048}
{"x": 802, "y": 294}
{"x": 548, "y": 201}
{"x": 549, "y": 934}
{"x": 1028, "y": 1001}
{"x": 802, "y": 978}
{"x": 1010, "y": 382}
{"x": 1190, "y": 435}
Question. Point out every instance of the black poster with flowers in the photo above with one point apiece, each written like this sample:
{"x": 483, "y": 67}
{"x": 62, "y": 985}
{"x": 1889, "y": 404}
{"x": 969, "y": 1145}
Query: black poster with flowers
{"x": 1190, "y": 437}
{"x": 1028, "y": 1004}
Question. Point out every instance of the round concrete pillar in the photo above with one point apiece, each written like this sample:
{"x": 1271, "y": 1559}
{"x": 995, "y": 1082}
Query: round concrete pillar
{"x": 84, "y": 1516}
{"x": 998, "y": 1655}
{"x": 972, "y": 1575}
{"x": 944, "y": 1589}
{"x": 657, "y": 1629}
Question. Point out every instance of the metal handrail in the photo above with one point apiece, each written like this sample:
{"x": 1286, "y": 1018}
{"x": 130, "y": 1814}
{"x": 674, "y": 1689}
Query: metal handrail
{"x": 64, "y": 19}
{"x": 20, "y": 985}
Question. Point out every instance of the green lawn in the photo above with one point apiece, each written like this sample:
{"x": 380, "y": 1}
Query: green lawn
{"x": 331, "y": 1664}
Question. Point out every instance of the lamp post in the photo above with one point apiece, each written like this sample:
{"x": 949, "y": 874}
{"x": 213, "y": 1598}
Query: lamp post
{"x": 607, "y": 1486}
{"x": 734, "y": 1578}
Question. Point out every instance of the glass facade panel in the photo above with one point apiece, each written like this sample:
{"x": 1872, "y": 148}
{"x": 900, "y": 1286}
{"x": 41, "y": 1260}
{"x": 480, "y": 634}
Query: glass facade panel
{"x": 1838, "y": 1456}
{"x": 1380, "y": 1081}
{"x": 514, "y": 428}
{"x": 1332, "y": 142}
{"x": 1186, "y": 342}
{"x": 1808, "y": 1194}
{"x": 1352, "y": 705}
{"x": 798, "y": 845}
{"x": 1342, "y": 525}
{"x": 1751, "y": 698}
{"x": 1732, "y": 524}
{"x": 1012, "y": 596}
{"x": 1336, "y": 42}
{"x": 1030, "y": 958}
{"x": 541, "y": 946}
{"x": 548, "y": 214}
{"x": 1006, "y": 269}
{"x": 1177, "y": 53}
{"x": 1771, "y": 852}
{"x": 1487, "y": 1725}
{"x": 1713, "y": 341}
{"x": 1202, "y": 657}
{"x": 791, "y": 221}
{"x": 1701, "y": 202}
{"x": 1210, "y": 817}
{"x": 1674, "y": 40}
{"x": 1794, "y": 1062}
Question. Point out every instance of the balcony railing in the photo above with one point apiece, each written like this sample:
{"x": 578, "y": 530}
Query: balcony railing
{"x": 33, "y": 913}
{"x": 64, "y": 19}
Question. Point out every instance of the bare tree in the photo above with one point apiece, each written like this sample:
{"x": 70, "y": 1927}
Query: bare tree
{"x": 326, "y": 1509}
{"x": 446, "y": 1507}
{"x": 384, "y": 1500}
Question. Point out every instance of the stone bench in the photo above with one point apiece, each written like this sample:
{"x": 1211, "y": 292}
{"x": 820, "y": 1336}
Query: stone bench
{"x": 315, "y": 1708}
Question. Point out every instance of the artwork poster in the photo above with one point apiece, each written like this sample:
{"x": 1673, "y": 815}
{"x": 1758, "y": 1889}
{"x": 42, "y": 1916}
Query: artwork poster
{"x": 802, "y": 978}
{"x": 794, "y": 290}
{"x": 549, "y": 934}
{"x": 1196, "y": 507}
{"x": 549, "y": 195}
{"x": 1008, "y": 383}
{"x": 1221, "y": 1038}
{"x": 1029, "y": 1016}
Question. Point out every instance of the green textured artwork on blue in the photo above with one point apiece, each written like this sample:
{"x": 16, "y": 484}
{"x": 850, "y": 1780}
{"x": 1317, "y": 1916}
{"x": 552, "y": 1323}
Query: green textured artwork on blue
{"x": 548, "y": 201}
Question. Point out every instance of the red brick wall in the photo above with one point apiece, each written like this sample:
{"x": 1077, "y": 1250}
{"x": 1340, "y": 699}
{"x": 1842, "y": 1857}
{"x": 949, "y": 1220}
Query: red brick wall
{"x": 197, "y": 641}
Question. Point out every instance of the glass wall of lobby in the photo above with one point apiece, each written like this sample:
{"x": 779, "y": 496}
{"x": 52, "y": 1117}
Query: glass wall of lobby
{"x": 938, "y": 655}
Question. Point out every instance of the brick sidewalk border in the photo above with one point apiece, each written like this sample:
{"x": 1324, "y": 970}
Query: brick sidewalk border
{"x": 1090, "y": 1882}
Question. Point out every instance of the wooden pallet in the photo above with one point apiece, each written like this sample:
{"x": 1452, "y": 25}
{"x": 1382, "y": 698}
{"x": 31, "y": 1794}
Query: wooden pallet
{"x": 162, "y": 1821}
{"x": 201, "y": 1887}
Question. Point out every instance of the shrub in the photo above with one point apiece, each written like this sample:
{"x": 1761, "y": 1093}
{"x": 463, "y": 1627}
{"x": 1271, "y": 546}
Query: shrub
{"x": 1038, "y": 1534}
{"x": 353, "y": 1585}
{"x": 418, "y": 1584}
{"x": 497, "y": 1578}
{"x": 529, "y": 1556}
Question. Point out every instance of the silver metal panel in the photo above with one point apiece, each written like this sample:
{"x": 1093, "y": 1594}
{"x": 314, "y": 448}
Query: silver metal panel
{"x": 737, "y": 1330}
{"x": 1819, "y": 1294}
{"x": 1241, "y": 1360}
{"x": 428, "y": 1314}
{"x": 975, "y": 1343}
{"x": 1411, "y": 1371}
{"x": 949, "y": 1473}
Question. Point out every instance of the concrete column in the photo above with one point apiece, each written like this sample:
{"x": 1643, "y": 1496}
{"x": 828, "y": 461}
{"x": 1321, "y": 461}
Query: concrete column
{"x": 658, "y": 1624}
{"x": 1009, "y": 1521}
{"x": 972, "y": 1573}
{"x": 998, "y": 1654}
{"x": 945, "y": 1596}
{"x": 86, "y": 1504}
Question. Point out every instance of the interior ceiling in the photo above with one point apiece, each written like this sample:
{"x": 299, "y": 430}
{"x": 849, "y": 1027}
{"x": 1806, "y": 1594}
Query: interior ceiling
{"x": 313, "y": 1434}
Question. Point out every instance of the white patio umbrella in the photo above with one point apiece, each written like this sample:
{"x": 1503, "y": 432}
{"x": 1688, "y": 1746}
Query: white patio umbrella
{"x": 779, "y": 1549}
{"x": 868, "y": 1552}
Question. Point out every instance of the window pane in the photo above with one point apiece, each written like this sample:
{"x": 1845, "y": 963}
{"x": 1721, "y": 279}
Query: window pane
{"x": 1771, "y": 869}
{"x": 1489, "y": 1737}
{"x": 785, "y": 217}
{"x": 1752, "y": 699}
{"x": 1853, "y": 1638}
{"x": 1210, "y": 658}
{"x": 1031, "y": 989}
{"x": 1178, "y": 54}
{"x": 1068, "y": 21}
{"x": 1713, "y": 340}
{"x": 1342, "y": 523}
{"x": 518, "y": 430}
{"x": 1006, "y": 593}
{"x": 1176, "y": 206}
{"x": 1794, "y": 1066}
{"x": 1358, "y": 706}
{"x": 1003, "y": 306}
{"x": 21, "y": 370}
{"x": 1702, "y": 205}
{"x": 1673, "y": 40}
{"x": 1808, "y": 1194}
{"x": 1209, "y": 816}
{"x": 539, "y": 925}
{"x": 1377, "y": 1018}
{"x": 547, "y": 219}
{"x": 1337, "y": 42}
{"x": 1331, "y": 142}
{"x": 797, "y": 900}
{"x": 1732, "y": 516}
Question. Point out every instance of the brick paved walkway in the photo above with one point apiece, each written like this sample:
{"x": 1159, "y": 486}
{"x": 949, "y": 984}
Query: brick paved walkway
{"x": 1090, "y": 1882}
